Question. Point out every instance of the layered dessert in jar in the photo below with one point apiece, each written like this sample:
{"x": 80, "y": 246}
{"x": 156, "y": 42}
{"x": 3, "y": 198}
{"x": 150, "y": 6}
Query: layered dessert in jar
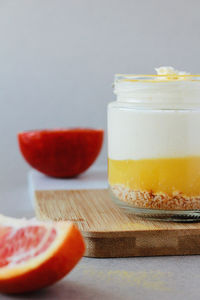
{"x": 154, "y": 144}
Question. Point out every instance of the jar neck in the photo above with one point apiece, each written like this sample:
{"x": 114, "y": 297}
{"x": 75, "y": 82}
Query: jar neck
{"x": 164, "y": 95}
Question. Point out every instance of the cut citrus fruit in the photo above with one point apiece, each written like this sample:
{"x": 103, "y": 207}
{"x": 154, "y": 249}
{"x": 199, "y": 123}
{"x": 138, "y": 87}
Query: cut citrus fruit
{"x": 35, "y": 254}
{"x": 61, "y": 152}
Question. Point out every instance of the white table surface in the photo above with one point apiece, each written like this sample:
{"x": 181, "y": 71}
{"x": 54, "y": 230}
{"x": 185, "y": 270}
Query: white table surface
{"x": 95, "y": 178}
{"x": 138, "y": 278}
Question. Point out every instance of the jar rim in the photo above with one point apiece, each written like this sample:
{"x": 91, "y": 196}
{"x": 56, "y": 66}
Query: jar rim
{"x": 156, "y": 78}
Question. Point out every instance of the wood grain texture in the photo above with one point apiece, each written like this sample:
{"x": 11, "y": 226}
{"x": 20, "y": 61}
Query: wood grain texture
{"x": 109, "y": 232}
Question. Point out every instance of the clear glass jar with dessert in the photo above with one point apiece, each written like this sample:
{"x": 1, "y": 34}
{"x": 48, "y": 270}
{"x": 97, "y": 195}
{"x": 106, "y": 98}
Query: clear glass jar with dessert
{"x": 154, "y": 145}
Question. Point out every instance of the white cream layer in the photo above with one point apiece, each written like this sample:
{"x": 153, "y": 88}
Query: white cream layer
{"x": 140, "y": 134}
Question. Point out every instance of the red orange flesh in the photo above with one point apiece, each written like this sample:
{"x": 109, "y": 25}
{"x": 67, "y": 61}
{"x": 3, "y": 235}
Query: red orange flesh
{"x": 35, "y": 255}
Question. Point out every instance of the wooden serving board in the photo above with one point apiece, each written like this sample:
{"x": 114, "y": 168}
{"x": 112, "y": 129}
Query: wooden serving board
{"x": 109, "y": 232}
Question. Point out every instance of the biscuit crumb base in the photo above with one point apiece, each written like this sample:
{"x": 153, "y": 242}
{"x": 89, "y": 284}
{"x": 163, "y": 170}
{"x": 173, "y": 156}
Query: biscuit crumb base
{"x": 155, "y": 201}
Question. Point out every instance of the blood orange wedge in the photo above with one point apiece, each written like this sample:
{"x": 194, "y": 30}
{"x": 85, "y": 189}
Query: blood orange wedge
{"x": 35, "y": 254}
{"x": 61, "y": 152}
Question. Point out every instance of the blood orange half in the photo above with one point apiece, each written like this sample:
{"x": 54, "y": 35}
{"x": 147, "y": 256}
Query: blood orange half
{"x": 35, "y": 254}
{"x": 61, "y": 152}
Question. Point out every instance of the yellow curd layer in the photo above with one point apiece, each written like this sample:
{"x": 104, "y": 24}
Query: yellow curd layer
{"x": 164, "y": 175}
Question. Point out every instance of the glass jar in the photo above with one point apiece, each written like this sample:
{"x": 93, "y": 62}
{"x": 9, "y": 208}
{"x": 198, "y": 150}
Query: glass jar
{"x": 154, "y": 146}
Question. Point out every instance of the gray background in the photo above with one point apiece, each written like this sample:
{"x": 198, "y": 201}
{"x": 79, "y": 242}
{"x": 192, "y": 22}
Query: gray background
{"x": 58, "y": 58}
